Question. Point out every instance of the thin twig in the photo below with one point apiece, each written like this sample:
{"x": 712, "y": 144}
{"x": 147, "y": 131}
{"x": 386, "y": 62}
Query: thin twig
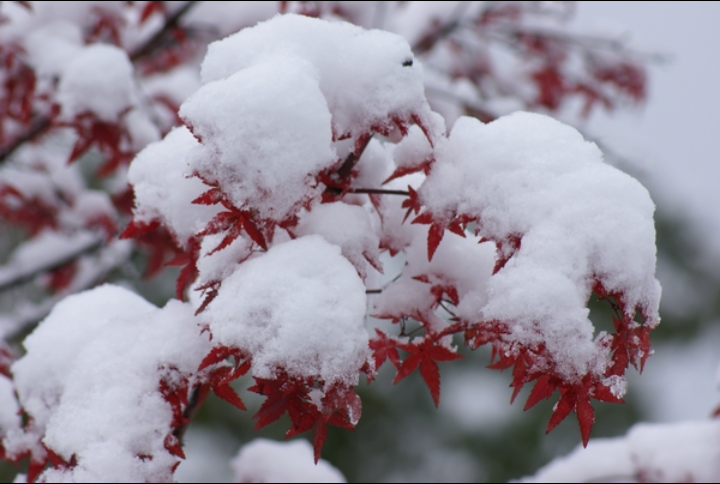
{"x": 170, "y": 23}
{"x": 38, "y": 126}
{"x": 23, "y": 277}
{"x": 426, "y": 43}
{"x": 380, "y": 191}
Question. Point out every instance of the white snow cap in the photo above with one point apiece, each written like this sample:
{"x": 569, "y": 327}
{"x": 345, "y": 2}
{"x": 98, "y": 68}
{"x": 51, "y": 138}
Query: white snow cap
{"x": 264, "y": 133}
{"x": 264, "y": 460}
{"x": 98, "y": 80}
{"x": 163, "y": 189}
{"x": 365, "y": 75}
{"x": 529, "y": 175}
{"x": 91, "y": 379}
{"x": 676, "y": 452}
{"x": 299, "y": 307}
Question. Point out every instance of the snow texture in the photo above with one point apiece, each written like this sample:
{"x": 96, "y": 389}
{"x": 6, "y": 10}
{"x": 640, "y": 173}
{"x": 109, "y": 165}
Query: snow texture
{"x": 99, "y": 80}
{"x": 347, "y": 226}
{"x": 265, "y": 133}
{"x": 528, "y": 175}
{"x": 91, "y": 378}
{"x": 678, "y": 452}
{"x": 361, "y": 73}
{"x": 163, "y": 188}
{"x": 259, "y": 461}
{"x": 299, "y": 307}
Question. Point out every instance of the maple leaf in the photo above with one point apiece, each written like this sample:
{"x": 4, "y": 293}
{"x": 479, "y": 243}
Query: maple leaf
{"x": 233, "y": 222}
{"x": 186, "y": 259}
{"x": 384, "y": 348}
{"x": 220, "y": 377}
{"x": 426, "y": 354}
{"x": 436, "y": 232}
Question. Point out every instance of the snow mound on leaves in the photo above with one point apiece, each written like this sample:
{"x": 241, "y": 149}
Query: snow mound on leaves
{"x": 527, "y": 175}
{"x": 299, "y": 307}
{"x": 163, "y": 189}
{"x": 258, "y": 462}
{"x": 365, "y": 75}
{"x": 91, "y": 377}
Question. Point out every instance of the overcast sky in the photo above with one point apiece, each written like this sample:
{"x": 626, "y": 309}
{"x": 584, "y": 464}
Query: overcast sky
{"x": 676, "y": 136}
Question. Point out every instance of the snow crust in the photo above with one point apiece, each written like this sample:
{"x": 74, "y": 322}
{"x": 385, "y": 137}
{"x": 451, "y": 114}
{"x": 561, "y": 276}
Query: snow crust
{"x": 531, "y": 176}
{"x": 299, "y": 307}
{"x": 264, "y": 460}
{"x": 98, "y": 80}
{"x": 90, "y": 380}
{"x": 164, "y": 190}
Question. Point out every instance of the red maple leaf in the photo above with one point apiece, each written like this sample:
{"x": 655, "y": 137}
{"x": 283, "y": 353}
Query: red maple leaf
{"x": 384, "y": 348}
{"x": 455, "y": 224}
{"x": 426, "y": 354}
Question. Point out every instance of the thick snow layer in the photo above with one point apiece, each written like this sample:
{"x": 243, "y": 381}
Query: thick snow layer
{"x": 365, "y": 75}
{"x": 91, "y": 379}
{"x": 264, "y": 132}
{"x": 531, "y": 176}
{"x": 98, "y": 80}
{"x": 259, "y": 461}
{"x": 299, "y": 307}
{"x": 163, "y": 189}
{"x": 51, "y": 47}
{"x": 679, "y": 452}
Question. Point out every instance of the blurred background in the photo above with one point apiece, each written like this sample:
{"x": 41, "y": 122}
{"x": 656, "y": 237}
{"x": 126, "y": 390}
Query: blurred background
{"x": 672, "y": 144}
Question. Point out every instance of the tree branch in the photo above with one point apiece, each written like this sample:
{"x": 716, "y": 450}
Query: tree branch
{"x": 170, "y": 23}
{"x": 22, "y": 276}
{"x": 380, "y": 191}
{"x": 42, "y": 123}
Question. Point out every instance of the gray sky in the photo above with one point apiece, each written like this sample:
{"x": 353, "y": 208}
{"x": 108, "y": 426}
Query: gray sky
{"x": 676, "y": 136}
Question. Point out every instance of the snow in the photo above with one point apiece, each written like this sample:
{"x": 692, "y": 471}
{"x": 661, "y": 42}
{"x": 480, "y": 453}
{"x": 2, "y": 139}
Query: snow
{"x": 53, "y": 46}
{"x": 347, "y": 226}
{"x": 265, "y": 133}
{"x": 163, "y": 188}
{"x": 9, "y": 409}
{"x": 258, "y": 461}
{"x": 98, "y": 80}
{"x": 531, "y": 176}
{"x": 360, "y": 72}
{"x": 680, "y": 452}
{"x": 45, "y": 250}
{"x": 299, "y": 307}
{"x": 91, "y": 377}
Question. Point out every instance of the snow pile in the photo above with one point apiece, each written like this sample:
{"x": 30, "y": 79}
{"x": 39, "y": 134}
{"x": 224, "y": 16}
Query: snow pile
{"x": 264, "y": 132}
{"x": 529, "y": 176}
{"x": 98, "y": 80}
{"x": 263, "y": 460}
{"x": 678, "y": 452}
{"x": 366, "y": 76}
{"x": 163, "y": 188}
{"x": 299, "y": 307}
{"x": 90, "y": 381}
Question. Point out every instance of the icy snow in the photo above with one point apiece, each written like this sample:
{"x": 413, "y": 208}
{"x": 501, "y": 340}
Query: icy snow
{"x": 259, "y": 461}
{"x": 163, "y": 189}
{"x": 299, "y": 307}
{"x": 531, "y": 176}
